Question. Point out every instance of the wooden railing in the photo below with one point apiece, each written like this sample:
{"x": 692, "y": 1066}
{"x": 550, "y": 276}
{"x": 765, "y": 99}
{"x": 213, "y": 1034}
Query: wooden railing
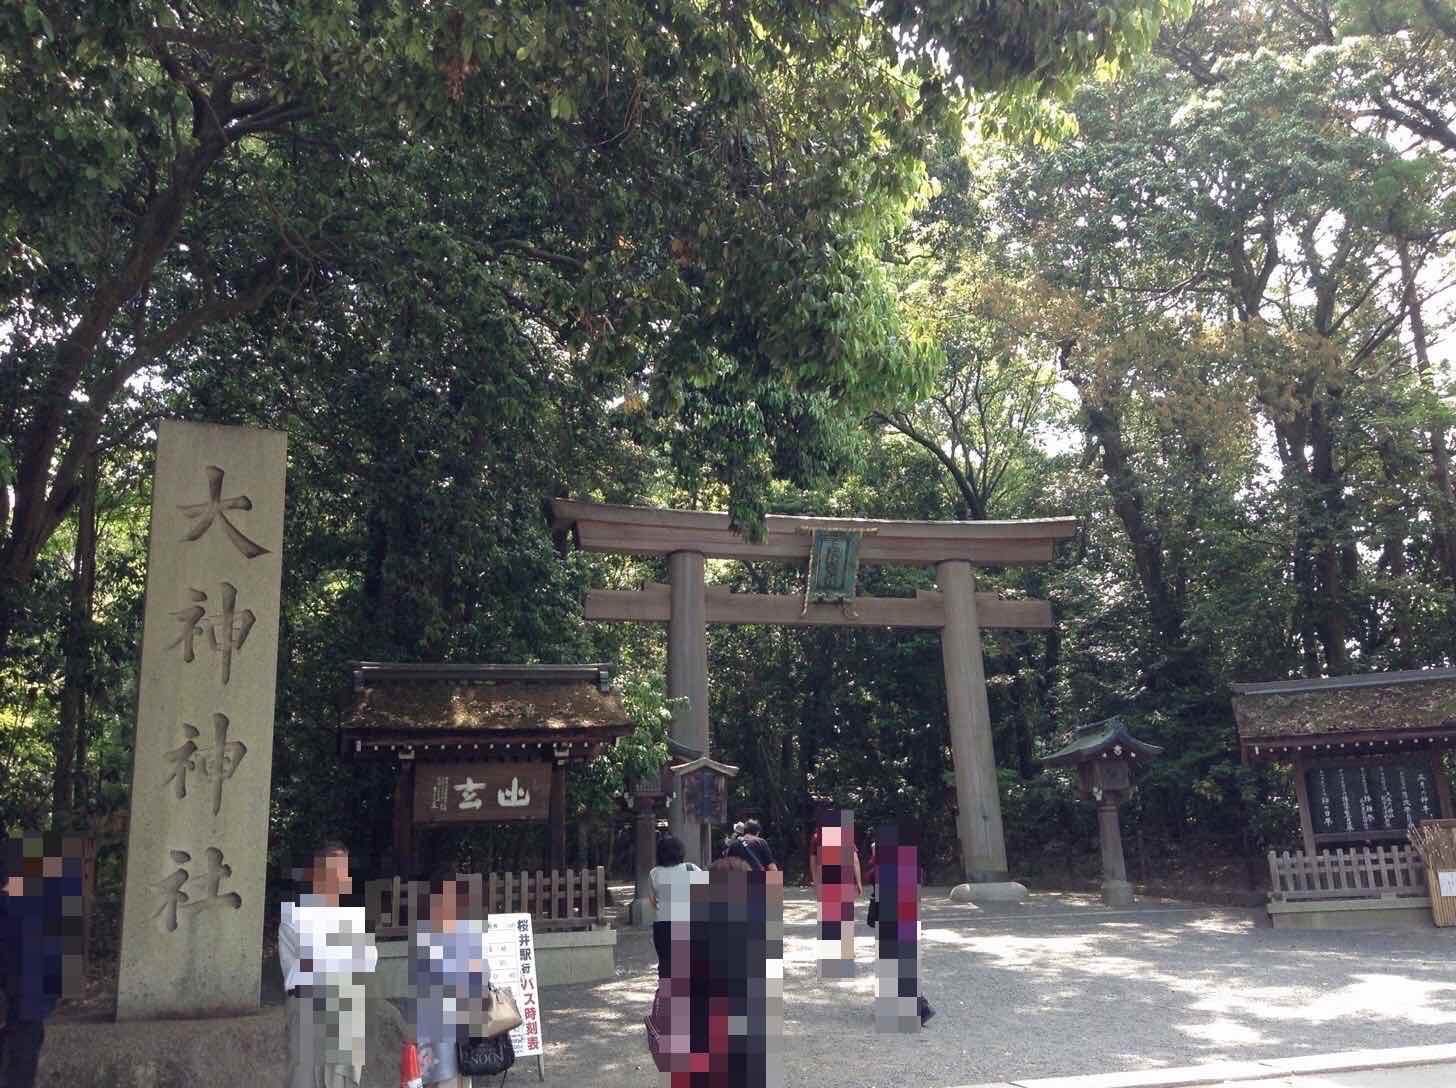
{"x": 559, "y": 899}
{"x": 1376, "y": 872}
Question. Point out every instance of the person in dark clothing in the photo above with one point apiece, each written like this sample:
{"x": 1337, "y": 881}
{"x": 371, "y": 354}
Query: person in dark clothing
{"x": 898, "y": 874}
{"x": 40, "y": 945}
{"x": 731, "y": 1021}
{"x": 751, "y": 847}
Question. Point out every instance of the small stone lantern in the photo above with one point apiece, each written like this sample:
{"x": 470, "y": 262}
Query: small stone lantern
{"x": 1104, "y": 754}
{"x": 703, "y": 785}
{"x": 643, "y": 798}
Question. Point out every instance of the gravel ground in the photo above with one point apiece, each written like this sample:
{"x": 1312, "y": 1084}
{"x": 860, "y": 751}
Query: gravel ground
{"x": 1052, "y": 987}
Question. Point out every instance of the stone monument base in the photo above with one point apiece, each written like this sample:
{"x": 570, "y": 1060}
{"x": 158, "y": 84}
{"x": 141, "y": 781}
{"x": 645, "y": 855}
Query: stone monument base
{"x": 231, "y": 1052}
{"x": 1001, "y": 891}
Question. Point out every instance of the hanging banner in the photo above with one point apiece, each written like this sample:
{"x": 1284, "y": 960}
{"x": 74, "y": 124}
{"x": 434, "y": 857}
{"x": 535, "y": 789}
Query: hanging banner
{"x": 833, "y": 566}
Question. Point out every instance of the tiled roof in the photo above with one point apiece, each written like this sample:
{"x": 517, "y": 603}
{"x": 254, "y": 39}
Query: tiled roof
{"x": 491, "y": 700}
{"x": 1374, "y": 703}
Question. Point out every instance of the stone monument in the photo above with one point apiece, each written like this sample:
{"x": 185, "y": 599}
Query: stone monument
{"x": 192, "y": 911}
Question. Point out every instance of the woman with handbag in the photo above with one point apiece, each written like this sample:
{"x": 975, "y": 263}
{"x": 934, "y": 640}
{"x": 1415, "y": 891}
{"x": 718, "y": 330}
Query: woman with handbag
{"x": 462, "y": 1022}
{"x": 669, "y": 883}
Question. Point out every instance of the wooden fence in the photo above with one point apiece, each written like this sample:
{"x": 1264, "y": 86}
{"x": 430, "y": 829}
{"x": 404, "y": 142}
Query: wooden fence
{"x": 1376, "y": 872}
{"x": 556, "y": 900}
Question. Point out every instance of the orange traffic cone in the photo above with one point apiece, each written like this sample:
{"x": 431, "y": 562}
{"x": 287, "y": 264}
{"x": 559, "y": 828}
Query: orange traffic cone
{"x": 409, "y": 1067}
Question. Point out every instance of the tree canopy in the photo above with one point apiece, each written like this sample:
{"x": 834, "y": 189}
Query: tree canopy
{"x": 915, "y": 260}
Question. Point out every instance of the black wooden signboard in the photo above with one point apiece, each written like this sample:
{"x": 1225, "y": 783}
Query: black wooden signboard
{"x": 1382, "y": 799}
{"x": 706, "y": 796}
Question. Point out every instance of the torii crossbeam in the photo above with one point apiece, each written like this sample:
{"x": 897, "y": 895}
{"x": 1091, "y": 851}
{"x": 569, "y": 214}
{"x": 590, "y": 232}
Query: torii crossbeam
{"x": 687, "y": 605}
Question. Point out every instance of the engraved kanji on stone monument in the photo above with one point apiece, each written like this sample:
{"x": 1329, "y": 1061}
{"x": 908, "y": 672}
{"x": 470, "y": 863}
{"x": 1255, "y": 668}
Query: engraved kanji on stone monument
{"x": 216, "y": 763}
{"x": 174, "y": 899}
{"x": 192, "y": 908}
{"x": 203, "y": 514}
{"x": 226, "y": 631}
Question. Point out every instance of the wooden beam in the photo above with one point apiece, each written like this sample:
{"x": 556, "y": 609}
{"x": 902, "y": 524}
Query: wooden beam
{"x": 926, "y": 609}
{"x": 633, "y": 530}
{"x": 1306, "y": 815}
{"x": 404, "y": 828}
{"x": 556, "y": 818}
{"x": 617, "y": 539}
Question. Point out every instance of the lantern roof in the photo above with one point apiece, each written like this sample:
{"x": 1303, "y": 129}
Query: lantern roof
{"x": 704, "y": 763}
{"x": 1099, "y": 740}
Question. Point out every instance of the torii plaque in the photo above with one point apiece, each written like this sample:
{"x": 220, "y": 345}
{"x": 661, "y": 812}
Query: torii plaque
{"x": 687, "y": 605}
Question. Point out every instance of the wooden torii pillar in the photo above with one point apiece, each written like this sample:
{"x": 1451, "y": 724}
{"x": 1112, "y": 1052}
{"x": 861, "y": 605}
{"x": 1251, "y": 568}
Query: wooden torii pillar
{"x": 687, "y": 605}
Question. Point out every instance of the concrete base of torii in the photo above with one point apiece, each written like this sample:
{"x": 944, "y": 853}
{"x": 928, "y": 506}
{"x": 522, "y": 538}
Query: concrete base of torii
{"x": 997, "y": 891}
{"x": 1117, "y": 893}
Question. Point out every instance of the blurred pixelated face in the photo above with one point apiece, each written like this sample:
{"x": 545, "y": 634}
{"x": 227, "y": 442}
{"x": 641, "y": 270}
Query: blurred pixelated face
{"x": 445, "y": 904}
{"x": 331, "y": 874}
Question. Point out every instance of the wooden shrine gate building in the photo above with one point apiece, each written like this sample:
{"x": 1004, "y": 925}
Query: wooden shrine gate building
{"x": 1367, "y": 754}
{"x": 833, "y": 547}
{"x": 479, "y": 743}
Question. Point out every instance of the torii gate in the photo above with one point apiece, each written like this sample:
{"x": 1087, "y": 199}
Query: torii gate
{"x": 687, "y": 605}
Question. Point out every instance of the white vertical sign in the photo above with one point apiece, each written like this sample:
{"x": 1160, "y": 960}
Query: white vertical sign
{"x": 510, "y": 946}
{"x": 192, "y": 915}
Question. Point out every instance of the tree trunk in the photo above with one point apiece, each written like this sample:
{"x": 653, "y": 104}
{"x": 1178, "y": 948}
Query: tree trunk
{"x": 1443, "y": 504}
{"x": 70, "y": 745}
{"x": 1393, "y": 562}
{"x": 1332, "y": 621}
{"x": 1025, "y": 711}
{"x": 47, "y": 474}
{"x": 1127, "y": 502}
{"x": 1292, "y": 435}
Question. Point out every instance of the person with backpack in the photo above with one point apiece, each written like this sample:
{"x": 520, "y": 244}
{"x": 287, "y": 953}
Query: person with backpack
{"x": 753, "y": 848}
{"x": 729, "y": 840}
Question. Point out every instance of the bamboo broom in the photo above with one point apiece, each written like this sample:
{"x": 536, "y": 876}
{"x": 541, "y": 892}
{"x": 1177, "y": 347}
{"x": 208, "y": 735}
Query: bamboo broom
{"x": 1435, "y": 844}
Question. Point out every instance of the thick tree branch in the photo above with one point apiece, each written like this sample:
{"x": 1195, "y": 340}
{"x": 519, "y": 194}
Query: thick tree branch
{"x": 901, "y": 423}
{"x": 526, "y": 249}
{"x": 101, "y": 392}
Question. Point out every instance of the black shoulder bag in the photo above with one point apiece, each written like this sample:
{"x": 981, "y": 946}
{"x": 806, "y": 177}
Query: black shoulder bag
{"x": 479, "y": 1057}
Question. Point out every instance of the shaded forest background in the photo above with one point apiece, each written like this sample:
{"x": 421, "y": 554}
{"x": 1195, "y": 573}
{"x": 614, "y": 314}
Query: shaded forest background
{"x": 1203, "y": 307}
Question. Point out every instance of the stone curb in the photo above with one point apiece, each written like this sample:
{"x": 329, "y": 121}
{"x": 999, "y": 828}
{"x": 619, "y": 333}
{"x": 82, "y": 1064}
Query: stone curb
{"x": 1222, "y": 1072}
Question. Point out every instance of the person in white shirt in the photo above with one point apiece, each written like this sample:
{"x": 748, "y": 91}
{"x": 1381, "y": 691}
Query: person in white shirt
{"x": 669, "y": 883}
{"x": 322, "y": 947}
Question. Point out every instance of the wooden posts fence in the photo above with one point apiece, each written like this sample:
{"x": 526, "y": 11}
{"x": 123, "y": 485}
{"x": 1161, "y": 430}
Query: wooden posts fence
{"x": 1377, "y": 872}
{"x": 556, "y": 900}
